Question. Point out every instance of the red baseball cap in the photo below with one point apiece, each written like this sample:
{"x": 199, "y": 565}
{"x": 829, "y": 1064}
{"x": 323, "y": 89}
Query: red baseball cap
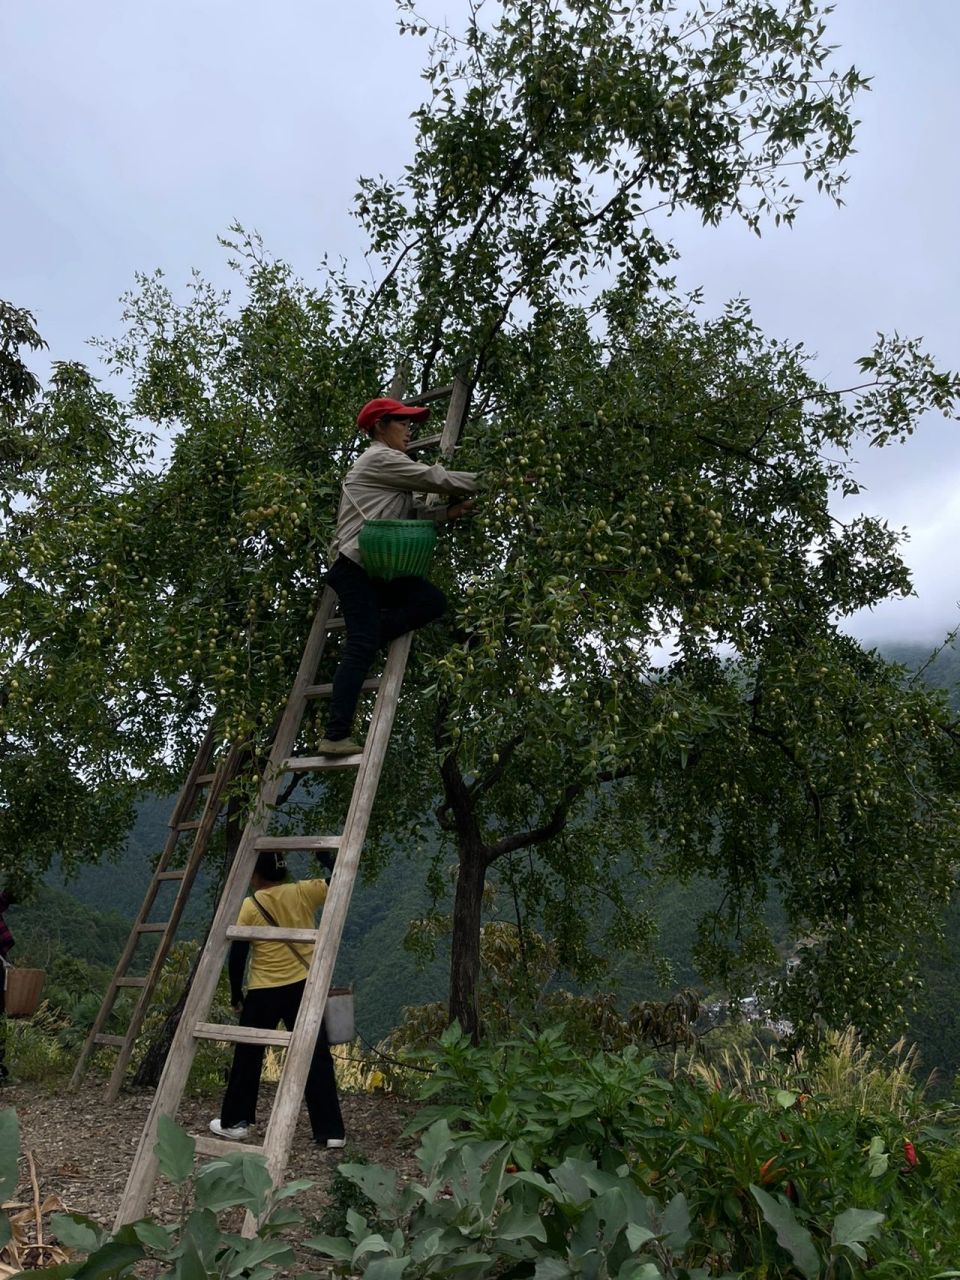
{"x": 374, "y": 410}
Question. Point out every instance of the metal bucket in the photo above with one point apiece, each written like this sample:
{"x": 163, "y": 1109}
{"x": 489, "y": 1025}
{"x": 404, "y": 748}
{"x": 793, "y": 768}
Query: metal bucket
{"x": 22, "y": 989}
{"x": 338, "y": 1015}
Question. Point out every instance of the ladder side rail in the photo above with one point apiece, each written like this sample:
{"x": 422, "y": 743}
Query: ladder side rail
{"x": 211, "y": 811}
{"x": 289, "y": 1095}
{"x": 122, "y": 966}
{"x": 143, "y": 1171}
{"x": 200, "y": 763}
{"x": 453, "y": 423}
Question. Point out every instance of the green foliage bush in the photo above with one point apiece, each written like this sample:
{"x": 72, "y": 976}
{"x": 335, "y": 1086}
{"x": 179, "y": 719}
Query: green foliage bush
{"x": 537, "y": 1159}
{"x": 38, "y": 1048}
{"x": 536, "y": 1162}
{"x": 196, "y": 1246}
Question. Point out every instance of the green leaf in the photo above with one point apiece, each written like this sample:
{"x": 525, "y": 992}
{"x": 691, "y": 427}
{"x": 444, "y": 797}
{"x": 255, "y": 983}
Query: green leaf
{"x": 878, "y": 1159}
{"x": 427, "y": 1245}
{"x": 111, "y": 1259}
{"x": 190, "y": 1265}
{"x": 551, "y": 1269}
{"x": 386, "y": 1268}
{"x": 466, "y": 1261}
{"x": 174, "y": 1150}
{"x": 786, "y": 1098}
{"x": 153, "y": 1235}
{"x": 852, "y": 1227}
{"x": 569, "y": 1178}
{"x": 535, "y": 1180}
{"x": 633, "y": 1270}
{"x": 293, "y": 1188}
{"x": 638, "y": 1236}
{"x": 77, "y": 1231}
{"x": 356, "y": 1225}
{"x": 256, "y": 1179}
{"x": 331, "y": 1247}
{"x": 676, "y": 1222}
{"x": 791, "y": 1234}
{"x": 519, "y": 1224}
{"x": 9, "y": 1153}
{"x": 377, "y": 1183}
{"x": 434, "y": 1146}
{"x": 255, "y": 1252}
{"x": 371, "y": 1243}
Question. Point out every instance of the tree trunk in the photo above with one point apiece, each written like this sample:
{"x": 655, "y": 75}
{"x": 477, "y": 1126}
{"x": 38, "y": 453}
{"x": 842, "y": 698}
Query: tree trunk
{"x": 465, "y": 943}
{"x": 147, "y": 1075}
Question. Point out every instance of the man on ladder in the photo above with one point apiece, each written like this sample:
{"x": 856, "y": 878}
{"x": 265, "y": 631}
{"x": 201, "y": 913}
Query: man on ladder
{"x": 380, "y": 486}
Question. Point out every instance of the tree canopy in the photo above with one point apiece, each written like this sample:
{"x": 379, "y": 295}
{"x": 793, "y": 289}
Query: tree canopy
{"x": 657, "y": 682}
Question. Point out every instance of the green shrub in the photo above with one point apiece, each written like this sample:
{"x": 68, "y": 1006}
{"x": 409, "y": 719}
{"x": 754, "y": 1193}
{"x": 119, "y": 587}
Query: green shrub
{"x": 344, "y": 1197}
{"x": 194, "y": 1248}
{"x": 36, "y": 1048}
{"x": 753, "y": 1174}
{"x": 476, "y": 1214}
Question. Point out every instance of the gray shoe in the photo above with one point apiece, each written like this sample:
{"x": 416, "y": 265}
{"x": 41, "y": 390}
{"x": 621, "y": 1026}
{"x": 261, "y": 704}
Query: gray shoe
{"x": 338, "y": 747}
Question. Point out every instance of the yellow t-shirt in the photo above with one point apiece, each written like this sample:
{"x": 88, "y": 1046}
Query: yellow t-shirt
{"x": 292, "y": 904}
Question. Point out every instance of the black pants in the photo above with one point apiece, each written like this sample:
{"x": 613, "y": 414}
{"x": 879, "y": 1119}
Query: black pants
{"x": 375, "y": 612}
{"x": 267, "y": 1007}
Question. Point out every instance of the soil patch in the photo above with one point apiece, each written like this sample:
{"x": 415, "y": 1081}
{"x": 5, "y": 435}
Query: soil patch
{"x": 82, "y": 1148}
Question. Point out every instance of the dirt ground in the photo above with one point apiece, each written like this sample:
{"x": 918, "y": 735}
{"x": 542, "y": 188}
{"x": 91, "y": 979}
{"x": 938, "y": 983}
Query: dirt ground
{"x": 82, "y": 1148}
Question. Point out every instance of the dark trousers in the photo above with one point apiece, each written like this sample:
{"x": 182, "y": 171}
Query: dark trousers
{"x": 267, "y": 1007}
{"x": 375, "y": 612}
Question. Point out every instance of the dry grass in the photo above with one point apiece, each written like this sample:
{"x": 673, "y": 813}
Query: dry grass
{"x": 848, "y": 1074}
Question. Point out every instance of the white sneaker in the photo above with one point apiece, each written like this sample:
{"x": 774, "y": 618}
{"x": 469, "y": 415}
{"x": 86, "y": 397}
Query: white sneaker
{"x": 336, "y": 1142}
{"x": 235, "y": 1131}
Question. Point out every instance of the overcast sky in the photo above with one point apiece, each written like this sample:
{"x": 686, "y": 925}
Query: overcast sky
{"x": 132, "y": 134}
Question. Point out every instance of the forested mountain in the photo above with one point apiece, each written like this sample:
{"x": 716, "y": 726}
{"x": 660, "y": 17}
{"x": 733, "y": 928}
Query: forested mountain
{"x": 88, "y": 918}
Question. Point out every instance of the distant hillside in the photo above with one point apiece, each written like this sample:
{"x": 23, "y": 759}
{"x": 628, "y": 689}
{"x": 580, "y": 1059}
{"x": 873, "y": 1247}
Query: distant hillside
{"x": 942, "y": 673}
{"x": 122, "y": 884}
{"x": 54, "y": 923}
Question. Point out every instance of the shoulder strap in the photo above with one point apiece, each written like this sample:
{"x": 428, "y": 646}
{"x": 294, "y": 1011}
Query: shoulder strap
{"x": 270, "y": 920}
{"x": 350, "y": 498}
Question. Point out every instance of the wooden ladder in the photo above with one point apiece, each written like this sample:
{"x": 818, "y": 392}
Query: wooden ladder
{"x": 203, "y": 775}
{"x": 299, "y": 1043}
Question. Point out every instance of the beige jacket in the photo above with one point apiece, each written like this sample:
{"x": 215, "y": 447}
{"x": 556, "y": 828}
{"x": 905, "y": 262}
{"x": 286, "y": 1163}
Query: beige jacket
{"x": 380, "y": 486}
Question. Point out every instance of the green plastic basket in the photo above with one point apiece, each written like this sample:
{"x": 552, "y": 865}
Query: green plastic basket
{"x": 397, "y": 548}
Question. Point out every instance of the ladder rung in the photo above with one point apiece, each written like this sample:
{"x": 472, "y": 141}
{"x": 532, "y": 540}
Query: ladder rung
{"x": 131, "y": 982}
{"x": 240, "y": 1035}
{"x": 435, "y": 393}
{"x": 309, "y": 764}
{"x": 325, "y": 690}
{"x": 152, "y": 928}
{"x": 336, "y": 624}
{"x": 203, "y": 779}
{"x": 207, "y": 1145}
{"x": 170, "y": 875}
{"x": 188, "y": 826}
{"x": 116, "y": 1041}
{"x": 278, "y": 843}
{"x": 426, "y": 442}
{"x": 269, "y": 933}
